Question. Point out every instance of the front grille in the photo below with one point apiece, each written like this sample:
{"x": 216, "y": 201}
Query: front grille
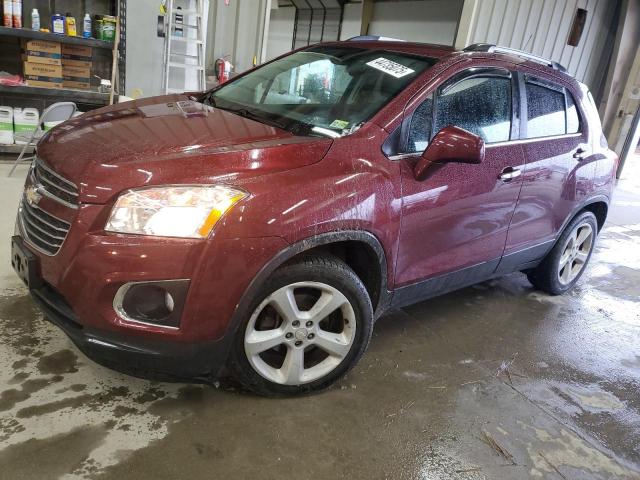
{"x": 41, "y": 229}
{"x": 54, "y": 185}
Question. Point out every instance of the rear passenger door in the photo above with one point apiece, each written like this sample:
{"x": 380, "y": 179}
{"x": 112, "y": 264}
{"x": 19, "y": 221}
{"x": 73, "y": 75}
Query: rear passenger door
{"x": 558, "y": 168}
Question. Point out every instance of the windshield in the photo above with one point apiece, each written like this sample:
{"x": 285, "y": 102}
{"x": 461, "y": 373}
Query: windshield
{"x": 320, "y": 91}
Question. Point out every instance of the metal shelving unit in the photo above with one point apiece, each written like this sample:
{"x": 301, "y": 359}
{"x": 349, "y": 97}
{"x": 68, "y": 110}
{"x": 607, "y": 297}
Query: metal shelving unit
{"x": 79, "y": 96}
{"x": 53, "y": 37}
{"x": 39, "y": 97}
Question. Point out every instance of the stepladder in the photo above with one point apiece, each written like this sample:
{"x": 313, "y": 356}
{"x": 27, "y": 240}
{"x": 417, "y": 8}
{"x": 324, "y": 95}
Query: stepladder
{"x": 184, "y": 46}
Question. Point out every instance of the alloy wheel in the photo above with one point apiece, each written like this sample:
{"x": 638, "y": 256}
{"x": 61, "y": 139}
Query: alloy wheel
{"x": 300, "y": 333}
{"x": 575, "y": 253}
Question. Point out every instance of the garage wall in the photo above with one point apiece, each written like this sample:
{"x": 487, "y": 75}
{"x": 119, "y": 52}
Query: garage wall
{"x": 236, "y": 32}
{"x": 429, "y": 21}
{"x": 351, "y": 20}
{"x": 432, "y": 21}
{"x": 624, "y": 55}
{"x": 144, "y": 49}
{"x": 542, "y": 27}
{"x": 280, "y": 36}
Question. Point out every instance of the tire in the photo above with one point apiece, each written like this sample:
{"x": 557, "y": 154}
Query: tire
{"x": 563, "y": 266}
{"x": 318, "y": 285}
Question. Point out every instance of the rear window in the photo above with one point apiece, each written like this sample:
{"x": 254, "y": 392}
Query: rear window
{"x": 551, "y": 110}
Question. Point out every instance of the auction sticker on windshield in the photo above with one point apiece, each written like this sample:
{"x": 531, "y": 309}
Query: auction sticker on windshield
{"x": 390, "y": 67}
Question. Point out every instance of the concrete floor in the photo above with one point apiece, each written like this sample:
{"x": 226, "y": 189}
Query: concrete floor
{"x": 495, "y": 381}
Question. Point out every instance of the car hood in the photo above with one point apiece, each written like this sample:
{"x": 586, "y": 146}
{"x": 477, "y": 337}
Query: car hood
{"x": 169, "y": 140}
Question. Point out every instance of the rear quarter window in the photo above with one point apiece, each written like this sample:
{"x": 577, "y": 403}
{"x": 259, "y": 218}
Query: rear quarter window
{"x": 545, "y": 111}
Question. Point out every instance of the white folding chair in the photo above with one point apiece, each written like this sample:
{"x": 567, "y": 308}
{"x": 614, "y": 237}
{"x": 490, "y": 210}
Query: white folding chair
{"x": 58, "y": 112}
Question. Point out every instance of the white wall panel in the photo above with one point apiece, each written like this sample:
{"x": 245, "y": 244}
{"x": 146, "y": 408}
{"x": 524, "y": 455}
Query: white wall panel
{"x": 432, "y": 21}
{"x": 542, "y": 27}
{"x": 280, "y": 31}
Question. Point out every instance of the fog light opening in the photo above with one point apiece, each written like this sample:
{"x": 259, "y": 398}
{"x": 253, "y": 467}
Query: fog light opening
{"x": 146, "y": 303}
{"x": 156, "y": 302}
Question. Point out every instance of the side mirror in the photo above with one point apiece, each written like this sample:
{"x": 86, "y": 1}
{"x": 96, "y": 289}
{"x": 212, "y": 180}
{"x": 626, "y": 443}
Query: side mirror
{"x": 451, "y": 144}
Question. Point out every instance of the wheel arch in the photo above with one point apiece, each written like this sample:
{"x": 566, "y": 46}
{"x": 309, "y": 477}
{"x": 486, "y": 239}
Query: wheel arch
{"x": 598, "y": 205}
{"x": 341, "y": 244}
{"x": 600, "y": 209}
{"x": 359, "y": 249}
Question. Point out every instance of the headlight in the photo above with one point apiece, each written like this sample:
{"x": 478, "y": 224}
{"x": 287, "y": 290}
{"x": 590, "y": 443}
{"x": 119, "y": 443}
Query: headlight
{"x": 172, "y": 211}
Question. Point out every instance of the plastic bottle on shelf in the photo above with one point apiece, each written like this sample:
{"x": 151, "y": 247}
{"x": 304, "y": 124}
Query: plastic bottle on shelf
{"x": 17, "y": 13}
{"x": 86, "y": 26}
{"x": 70, "y": 23}
{"x": 57, "y": 23}
{"x": 35, "y": 20}
{"x": 7, "y": 17}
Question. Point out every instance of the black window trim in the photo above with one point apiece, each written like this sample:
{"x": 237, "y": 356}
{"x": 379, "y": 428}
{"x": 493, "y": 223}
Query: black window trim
{"x": 485, "y": 71}
{"x": 525, "y": 78}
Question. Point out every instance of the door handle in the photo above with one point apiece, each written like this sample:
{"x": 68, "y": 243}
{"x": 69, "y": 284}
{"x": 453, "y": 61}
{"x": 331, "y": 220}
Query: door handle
{"x": 509, "y": 173}
{"x": 578, "y": 154}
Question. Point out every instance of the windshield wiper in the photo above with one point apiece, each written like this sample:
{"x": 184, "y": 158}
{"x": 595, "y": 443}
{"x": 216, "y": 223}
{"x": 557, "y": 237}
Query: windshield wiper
{"x": 296, "y": 127}
{"x": 245, "y": 112}
{"x": 207, "y": 99}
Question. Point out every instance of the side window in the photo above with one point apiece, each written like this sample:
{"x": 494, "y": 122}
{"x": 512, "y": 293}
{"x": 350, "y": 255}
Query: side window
{"x": 420, "y": 128}
{"x": 481, "y": 105}
{"x": 545, "y": 111}
{"x": 573, "y": 122}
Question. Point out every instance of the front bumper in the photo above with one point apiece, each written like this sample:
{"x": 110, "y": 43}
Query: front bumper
{"x": 134, "y": 355}
{"x": 77, "y": 287}
{"x": 76, "y": 283}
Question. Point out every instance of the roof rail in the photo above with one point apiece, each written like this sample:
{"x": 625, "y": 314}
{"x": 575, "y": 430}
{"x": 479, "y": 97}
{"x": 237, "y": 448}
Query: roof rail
{"x": 491, "y": 48}
{"x": 373, "y": 38}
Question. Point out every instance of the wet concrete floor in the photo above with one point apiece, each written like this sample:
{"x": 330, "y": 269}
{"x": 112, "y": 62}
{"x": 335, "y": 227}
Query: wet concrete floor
{"x": 494, "y": 381}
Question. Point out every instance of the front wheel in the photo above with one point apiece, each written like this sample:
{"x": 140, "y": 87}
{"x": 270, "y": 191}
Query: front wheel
{"x": 309, "y": 324}
{"x": 566, "y": 262}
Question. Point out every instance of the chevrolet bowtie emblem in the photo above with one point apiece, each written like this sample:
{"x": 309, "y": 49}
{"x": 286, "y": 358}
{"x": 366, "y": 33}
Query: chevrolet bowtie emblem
{"x": 32, "y": 195}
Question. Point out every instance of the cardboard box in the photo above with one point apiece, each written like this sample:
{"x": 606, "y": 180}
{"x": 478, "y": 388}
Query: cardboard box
{"x": 42, "y": 70}
{"x": 43, "y": 75}
{"x": 76, "y": 77}
{"x": 73, "y": 71}
{"x": 43, "y": 46}
{"x": 40, "y": 51}
{"x": 67, "y": 60}
{"x": 43, "y": 84}
{"x": 77, "y": 55}
{"x": 75, "y": 85}
{"x": 77, "y": 50}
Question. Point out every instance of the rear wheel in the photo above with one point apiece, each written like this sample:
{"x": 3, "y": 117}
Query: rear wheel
{"x": 566, "y": 262}
{"x": 309, "y": 324}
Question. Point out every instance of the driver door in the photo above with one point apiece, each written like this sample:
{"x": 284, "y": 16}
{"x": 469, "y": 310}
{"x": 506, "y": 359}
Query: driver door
{"x": 454, "y": 223}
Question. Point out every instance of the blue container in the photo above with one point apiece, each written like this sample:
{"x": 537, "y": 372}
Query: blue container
{"x": 57, "y": 23}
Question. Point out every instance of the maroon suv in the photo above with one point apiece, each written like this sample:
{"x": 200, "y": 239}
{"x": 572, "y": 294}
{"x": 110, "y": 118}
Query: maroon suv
{"x": 261, "y": 227}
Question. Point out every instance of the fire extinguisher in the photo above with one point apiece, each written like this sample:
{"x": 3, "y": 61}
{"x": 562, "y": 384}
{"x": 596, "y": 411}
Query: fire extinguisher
{"x": 223, "y": 69}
